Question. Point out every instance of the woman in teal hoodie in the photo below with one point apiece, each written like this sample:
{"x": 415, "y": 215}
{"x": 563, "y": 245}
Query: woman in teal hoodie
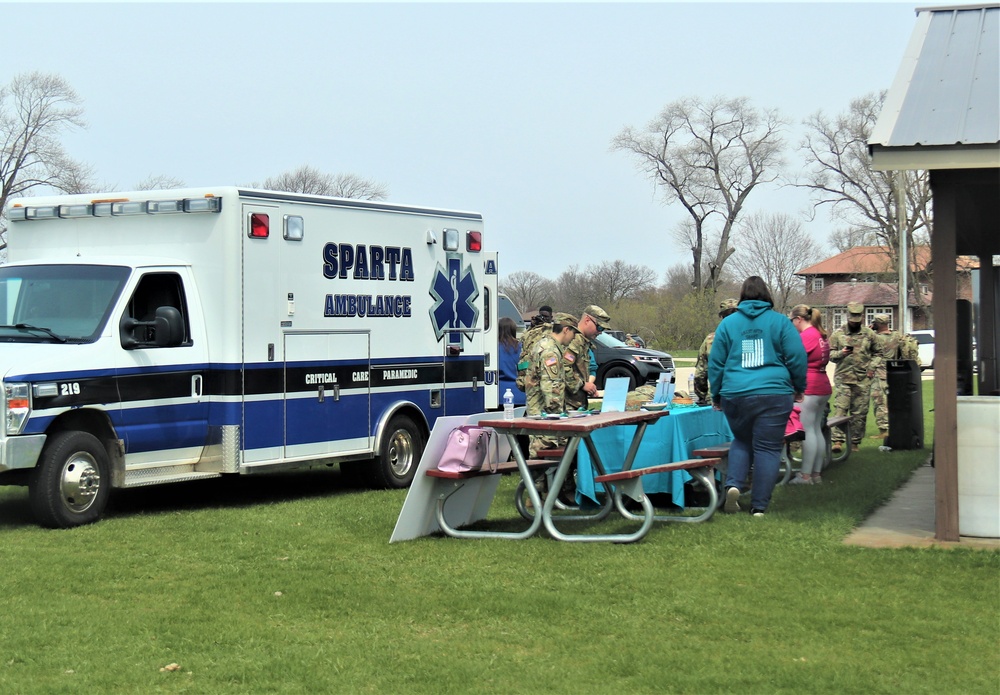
{"x": 757, "y": 370}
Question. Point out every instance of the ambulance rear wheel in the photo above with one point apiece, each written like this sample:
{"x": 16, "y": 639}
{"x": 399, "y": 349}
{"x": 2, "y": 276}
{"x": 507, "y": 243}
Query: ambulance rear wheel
{"x": 71, "y": 484}
{"x": 398, "y": 456}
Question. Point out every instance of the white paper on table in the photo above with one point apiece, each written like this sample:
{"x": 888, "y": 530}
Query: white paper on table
{"x": 615, "y": 394}
{"x": 662, "y": 383}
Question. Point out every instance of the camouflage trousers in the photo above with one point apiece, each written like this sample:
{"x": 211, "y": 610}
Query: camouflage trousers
{"x": 537, "y": 401}
{"x": 536, "y": 444}
{"x": 880, "y": 403}
{"x": 851, "y": 400}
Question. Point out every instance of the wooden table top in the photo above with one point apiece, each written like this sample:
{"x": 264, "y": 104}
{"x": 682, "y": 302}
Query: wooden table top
{"x": 580, "y": 424}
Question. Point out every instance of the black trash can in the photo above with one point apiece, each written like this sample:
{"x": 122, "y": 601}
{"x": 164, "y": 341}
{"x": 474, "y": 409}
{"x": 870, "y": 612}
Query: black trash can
{"x": 906, "y": 405}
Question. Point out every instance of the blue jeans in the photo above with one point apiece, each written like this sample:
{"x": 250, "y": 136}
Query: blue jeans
{"x": 758, "y": 425}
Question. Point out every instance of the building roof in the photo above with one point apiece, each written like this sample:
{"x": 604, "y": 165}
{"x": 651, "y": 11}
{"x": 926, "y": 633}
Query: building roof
{"x": 876, "y": 259}
{"x": 863, "y": 259}
{"x": 941, "y": 111}
{"x": 871, "y": 294}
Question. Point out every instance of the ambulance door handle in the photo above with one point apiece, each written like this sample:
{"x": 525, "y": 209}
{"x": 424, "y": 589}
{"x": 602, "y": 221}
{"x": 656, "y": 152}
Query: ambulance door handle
{"x": 336, "y": 392}
{"x": 322, "y": 394}
{"x": 196, "y": 386}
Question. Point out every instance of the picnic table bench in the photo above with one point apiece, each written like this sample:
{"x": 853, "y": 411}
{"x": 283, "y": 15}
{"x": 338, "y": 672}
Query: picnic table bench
{"x": 629, "y": 483}
{"x": 504, "y": 467}
{"x": 788, "y": 459}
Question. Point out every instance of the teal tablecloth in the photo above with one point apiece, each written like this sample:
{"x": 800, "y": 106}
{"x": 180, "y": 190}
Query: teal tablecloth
{"x": 671, "y": 438}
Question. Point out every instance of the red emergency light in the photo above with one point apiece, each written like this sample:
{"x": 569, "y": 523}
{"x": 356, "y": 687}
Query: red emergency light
{"x": 473, "y": 241}
{"x": 260, "y": 225}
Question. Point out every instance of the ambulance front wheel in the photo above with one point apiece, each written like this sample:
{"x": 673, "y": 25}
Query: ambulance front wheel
{"x": 72, "y": 481}
{"x": 398, "y": 456}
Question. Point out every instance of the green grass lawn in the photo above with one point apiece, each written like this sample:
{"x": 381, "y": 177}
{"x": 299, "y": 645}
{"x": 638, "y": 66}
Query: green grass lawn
{"x": 288, "y": 584}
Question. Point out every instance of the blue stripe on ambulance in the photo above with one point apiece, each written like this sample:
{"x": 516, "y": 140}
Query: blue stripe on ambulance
{"x": 265, "y": 421}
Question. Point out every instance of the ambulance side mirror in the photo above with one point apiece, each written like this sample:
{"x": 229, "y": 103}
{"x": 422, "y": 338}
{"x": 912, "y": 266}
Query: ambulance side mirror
{"x": 169, "y": 327}
{"x": 165, "y": 330}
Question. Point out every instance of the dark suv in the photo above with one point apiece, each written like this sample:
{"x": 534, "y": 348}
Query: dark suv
{"x": 640, "y": 365}
{"x": 620, "y": 336}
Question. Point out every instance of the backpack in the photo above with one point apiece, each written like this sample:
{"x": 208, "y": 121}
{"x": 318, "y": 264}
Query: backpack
{"x": 529, "y": 341}
{"x": 909, "y": 350}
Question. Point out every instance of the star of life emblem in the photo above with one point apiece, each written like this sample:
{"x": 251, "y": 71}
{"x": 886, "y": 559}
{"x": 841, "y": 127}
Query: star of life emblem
{"x": 454, "y": 290}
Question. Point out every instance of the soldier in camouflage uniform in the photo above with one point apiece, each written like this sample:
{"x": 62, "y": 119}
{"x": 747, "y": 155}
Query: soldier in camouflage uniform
{"x": 541, "y": 325}
{"x": 890, "y": 347}
{"x": 550, "y": 376}
{"x": 726, "y": 307}
{"x": 593, "y": 321}
{"x": 909, "y": 349}
{"x": 852, "y": 350}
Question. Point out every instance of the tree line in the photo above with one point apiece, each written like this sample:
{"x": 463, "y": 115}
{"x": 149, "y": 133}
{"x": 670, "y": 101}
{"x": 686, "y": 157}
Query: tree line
{"x": 708, "y": 156}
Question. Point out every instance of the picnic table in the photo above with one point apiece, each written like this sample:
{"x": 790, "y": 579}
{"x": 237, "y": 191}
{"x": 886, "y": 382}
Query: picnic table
{"x": 578, "y": 429}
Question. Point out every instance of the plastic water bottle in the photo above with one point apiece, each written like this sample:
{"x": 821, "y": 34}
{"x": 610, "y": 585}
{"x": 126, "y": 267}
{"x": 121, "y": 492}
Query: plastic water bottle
{"x": 508, "y": 405}
{"x": 691, "y": 387}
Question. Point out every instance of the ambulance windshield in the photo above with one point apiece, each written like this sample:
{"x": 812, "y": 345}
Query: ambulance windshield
{"x": 57, "y": 303}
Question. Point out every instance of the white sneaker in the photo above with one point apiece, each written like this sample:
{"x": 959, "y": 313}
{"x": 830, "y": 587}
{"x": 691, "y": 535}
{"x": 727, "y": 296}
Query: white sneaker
{"x": 732, "y": 501}
{"x": 799, "y": 480}
{"x": 817, "y": 479}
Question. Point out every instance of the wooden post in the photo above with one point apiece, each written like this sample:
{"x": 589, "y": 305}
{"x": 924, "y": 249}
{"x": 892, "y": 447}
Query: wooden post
{"x": 943, "y": 244}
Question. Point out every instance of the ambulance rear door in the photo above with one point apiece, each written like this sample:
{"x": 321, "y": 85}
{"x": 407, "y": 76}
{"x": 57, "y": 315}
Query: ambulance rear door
{"x": 491, "y": 353}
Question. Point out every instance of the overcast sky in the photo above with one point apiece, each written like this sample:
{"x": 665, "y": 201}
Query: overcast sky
{"x": 503, "y": 109}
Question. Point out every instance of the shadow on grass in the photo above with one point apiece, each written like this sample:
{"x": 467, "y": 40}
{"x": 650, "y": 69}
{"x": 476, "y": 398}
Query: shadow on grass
{"x": 229, "y": 491}
{"x": 15, "y": 511}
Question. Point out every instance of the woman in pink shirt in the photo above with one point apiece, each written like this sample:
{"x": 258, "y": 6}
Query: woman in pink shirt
{"x": 809, "y": 323}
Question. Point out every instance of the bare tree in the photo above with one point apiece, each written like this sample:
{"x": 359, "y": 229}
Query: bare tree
{"x": 678, "y": 280}
{"x": 307, "y": 179}
{"x": 846, "y": 238}
{"x": 619, "y": 280}
{"x": 708, "y": 156}
{"x": 158, "y": 182}
{"x": 528, "y": 290}
{"x": 574, "y": 289}
{"x": 840, "y": 175}
{"x": 74, "y": 177}
{"x": 35, "y": 110}
{"x": 773, "y": 246}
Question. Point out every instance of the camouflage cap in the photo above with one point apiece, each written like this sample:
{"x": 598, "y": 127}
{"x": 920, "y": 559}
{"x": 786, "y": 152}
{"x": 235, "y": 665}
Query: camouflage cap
{"x": 564, "y": 320}
{"x": 727, "y": 304}
{"x": 599, "y": 315}
{"x": 855, "y": 308}
{"x": 882, "y": 318}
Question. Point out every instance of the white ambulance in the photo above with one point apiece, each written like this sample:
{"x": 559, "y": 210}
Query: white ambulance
{"x": 165, "y": 336}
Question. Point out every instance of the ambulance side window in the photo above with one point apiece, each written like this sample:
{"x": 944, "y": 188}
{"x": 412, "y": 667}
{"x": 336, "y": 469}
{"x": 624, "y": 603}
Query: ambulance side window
{"x": 158, "y": 295}
{"x": 487, "y": 305}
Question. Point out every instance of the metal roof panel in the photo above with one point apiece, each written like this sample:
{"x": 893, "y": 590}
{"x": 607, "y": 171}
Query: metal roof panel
{"x": 948, "y": 87}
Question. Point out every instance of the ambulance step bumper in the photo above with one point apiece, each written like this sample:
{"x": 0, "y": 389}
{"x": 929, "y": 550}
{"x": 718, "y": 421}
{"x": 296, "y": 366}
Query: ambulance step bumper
{"x": 143, "y": 478}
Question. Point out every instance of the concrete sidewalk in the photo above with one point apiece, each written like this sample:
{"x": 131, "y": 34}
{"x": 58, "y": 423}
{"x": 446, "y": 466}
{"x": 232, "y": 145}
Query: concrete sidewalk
{"x": 907, "y": 520}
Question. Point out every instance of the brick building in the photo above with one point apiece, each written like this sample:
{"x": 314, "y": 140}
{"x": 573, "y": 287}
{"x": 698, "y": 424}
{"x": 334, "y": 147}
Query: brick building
{"x": 867, "y": 274}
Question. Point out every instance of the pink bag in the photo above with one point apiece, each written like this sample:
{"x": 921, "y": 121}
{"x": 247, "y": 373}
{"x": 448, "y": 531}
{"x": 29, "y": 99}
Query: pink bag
{"x": 794, "y": 424}
{"x": 468, "y": 449}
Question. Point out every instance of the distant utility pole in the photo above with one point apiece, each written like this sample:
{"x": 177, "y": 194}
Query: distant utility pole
{"x": 904, "y": 264}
